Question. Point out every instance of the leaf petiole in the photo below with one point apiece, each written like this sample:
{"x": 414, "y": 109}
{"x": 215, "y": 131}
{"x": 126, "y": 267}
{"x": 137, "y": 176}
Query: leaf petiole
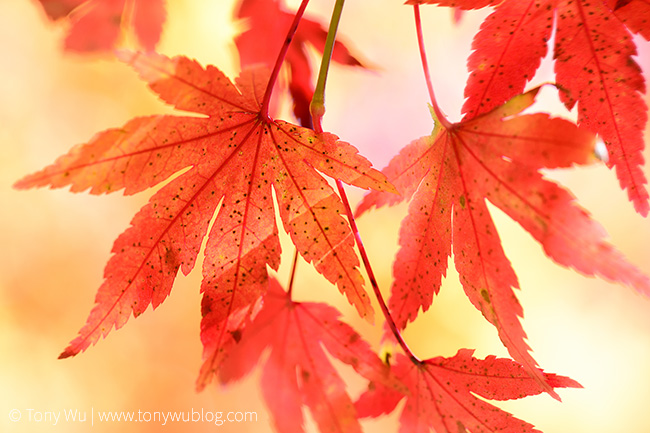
{"x": 425, "y": 67}
{"x": 292, "y": 276}
{"x": 317, "y": 109}
{"x": 264, "y": 111}
{"x": 371, "y": 276}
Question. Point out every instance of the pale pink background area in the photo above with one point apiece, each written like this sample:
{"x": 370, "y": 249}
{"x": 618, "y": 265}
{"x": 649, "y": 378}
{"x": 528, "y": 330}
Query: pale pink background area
{"x": 54, "y": 244}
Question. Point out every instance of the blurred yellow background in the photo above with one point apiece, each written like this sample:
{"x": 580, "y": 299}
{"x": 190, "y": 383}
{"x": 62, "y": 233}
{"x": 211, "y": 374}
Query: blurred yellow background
{"x": 55, "y": 244}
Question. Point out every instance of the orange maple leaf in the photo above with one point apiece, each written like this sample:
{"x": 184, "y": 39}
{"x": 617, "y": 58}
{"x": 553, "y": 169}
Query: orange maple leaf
{"x": 231, "y": 161}
{"x": 497, "y": 157}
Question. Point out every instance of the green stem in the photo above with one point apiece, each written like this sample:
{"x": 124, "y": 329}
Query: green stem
{"x": 317, "y": 106}
{"x": 425, "y": 66}
{"x": 317, "y": 109}
{"x": 264, "y": 111}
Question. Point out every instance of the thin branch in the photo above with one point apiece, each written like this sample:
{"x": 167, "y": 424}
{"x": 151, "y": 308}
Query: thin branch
{"x": 317, "y": 106}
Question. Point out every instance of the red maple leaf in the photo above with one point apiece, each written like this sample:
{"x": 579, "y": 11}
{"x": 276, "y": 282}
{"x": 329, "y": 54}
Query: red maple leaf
{"x": 234, "y": 156}
{"x": 495, "y": 156}
{"x": 594, "y": 68}
{"x": 297, "y": 371}
{"x": 96, "y": 25}
{"x": 635, "y": 14}
{"x": 442, "y": 394}
{"x": 267, "y": 22}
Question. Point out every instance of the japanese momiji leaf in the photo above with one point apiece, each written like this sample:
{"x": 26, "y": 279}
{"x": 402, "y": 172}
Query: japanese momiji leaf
{"x": 594, "y": 67}
{"x": 441, "y": 394}
{"x": 233, "y": 156}
{"x": 495, "y": 156}
{"x": 266, "y": 23}
{"x": 297, "y": 371}
{"x": 635, "y": 14}
{"x": 96, "y": 25}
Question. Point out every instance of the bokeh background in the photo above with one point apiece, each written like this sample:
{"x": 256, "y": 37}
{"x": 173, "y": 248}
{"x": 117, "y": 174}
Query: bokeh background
{"x": 54, "y": 244}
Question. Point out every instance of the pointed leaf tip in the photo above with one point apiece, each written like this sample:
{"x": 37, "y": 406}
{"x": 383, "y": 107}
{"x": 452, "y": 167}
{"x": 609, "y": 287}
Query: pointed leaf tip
{"x": 150, "y": 66}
